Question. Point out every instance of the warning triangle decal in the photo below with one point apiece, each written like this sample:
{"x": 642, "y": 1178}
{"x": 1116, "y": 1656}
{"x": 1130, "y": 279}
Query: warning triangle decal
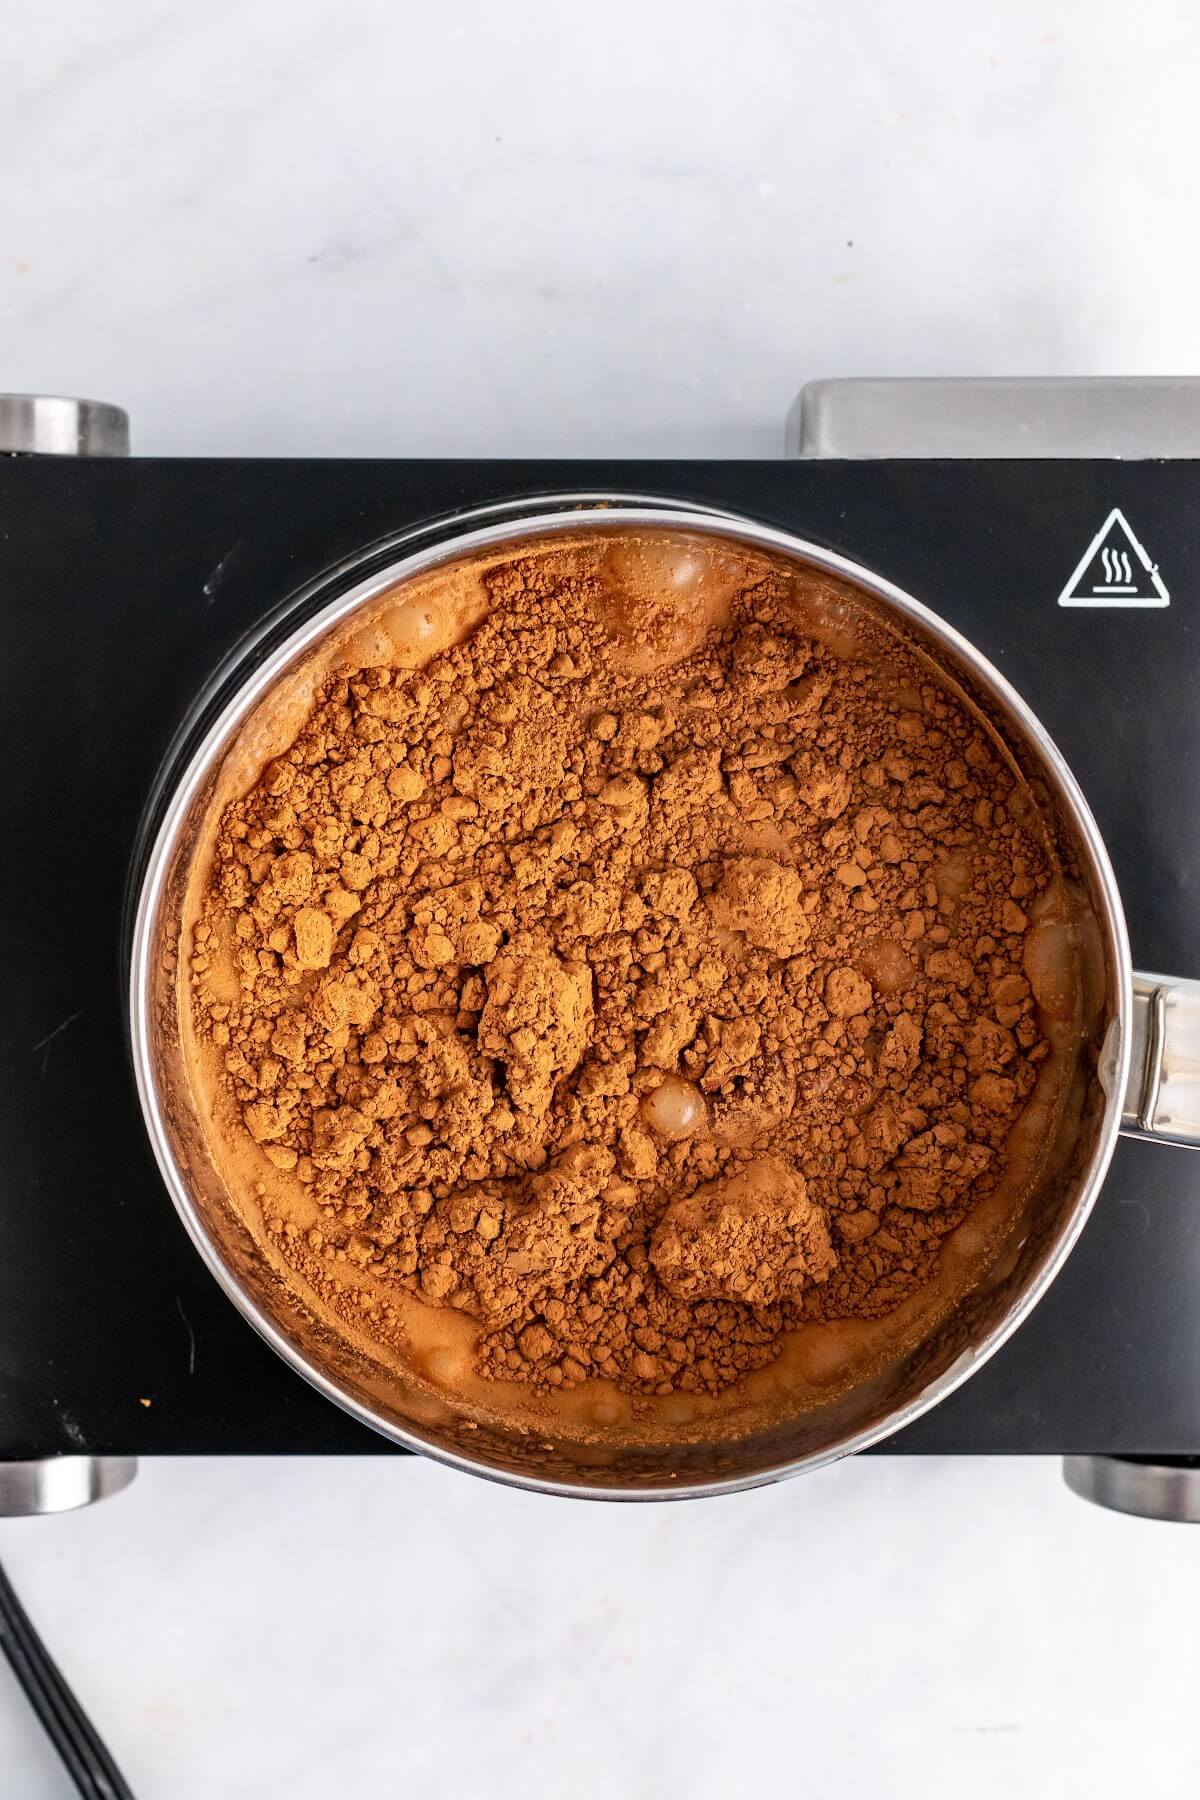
{"x": 1114, "y": 570}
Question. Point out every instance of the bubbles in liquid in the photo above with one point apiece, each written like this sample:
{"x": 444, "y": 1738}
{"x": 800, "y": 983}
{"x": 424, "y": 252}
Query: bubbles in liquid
{"x": 405, "y": 634}
{"x": 448, "y": 1365}
{"x": 1050, "y": 965}
{"x": 662, "y": 593}
{"x": 831, "y": 618}
{"x": 370, "y": 648}
{"x": 953, "y": 874}
{"x": 675, "y": 1109}
{"x": 888, "y": 966}
{"x": 659, "y": 563}
{"x": 823, "y": 1353}
{"x": 608, "y": 1411}
{"x": 413, "y": 629}
{"x": 680, "y": 1409}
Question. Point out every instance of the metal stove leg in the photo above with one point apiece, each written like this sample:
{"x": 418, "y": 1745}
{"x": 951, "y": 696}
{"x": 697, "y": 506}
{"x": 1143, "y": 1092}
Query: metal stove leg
{"x": 1130, "y": 1484}
{"x": 54, "y": 425}
{"x": 54, "y": 1484}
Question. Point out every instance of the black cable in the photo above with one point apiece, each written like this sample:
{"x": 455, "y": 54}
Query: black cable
{"x": 68, "y": 1727}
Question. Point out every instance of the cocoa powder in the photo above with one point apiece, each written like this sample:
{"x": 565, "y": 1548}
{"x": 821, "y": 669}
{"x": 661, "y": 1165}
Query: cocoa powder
{"x": 643, "y": 977}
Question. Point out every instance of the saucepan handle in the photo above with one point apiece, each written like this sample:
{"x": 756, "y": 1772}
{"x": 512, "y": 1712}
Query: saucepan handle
{"x": 1162, "y": 1097}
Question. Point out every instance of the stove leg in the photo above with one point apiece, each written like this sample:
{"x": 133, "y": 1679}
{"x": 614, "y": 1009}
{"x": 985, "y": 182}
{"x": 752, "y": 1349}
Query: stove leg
{"x": 53, "y": 425}
{"x": 53, "y": 1484}
{"x": 1169, "y": 1489}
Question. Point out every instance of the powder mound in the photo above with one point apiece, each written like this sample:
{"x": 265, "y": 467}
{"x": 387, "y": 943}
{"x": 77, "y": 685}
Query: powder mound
{"x": 493, "y": 1248}
{"x": 755, "y": 1237}
{"x": 936, "y": 1168}
{"x": 847, "y": 993}
{"x": 536, "y": 1017}
{"x": 763, "y": 900}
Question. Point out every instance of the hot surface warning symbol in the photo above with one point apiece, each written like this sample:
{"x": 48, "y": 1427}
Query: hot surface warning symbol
{"x": 1114, "y": 570}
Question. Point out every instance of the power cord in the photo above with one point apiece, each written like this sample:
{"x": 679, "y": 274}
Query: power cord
{"x": 72, "y": 1733}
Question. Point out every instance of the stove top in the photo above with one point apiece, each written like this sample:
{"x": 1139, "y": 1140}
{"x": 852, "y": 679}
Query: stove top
{"x": 124, "y": 583}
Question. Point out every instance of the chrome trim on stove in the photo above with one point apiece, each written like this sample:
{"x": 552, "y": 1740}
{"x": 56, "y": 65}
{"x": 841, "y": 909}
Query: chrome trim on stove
{"x": 1125, "y": 417}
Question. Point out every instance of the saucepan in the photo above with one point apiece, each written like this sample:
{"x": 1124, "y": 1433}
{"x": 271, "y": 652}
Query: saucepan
{"x": 1140, "y": 1070}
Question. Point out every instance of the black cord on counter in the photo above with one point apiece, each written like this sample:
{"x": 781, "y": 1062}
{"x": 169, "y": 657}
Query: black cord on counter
{"x": 72, "y": 1733}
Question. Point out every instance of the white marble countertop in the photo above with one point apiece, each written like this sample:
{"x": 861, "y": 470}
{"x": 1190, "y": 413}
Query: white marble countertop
{"x": 347, "y": 227}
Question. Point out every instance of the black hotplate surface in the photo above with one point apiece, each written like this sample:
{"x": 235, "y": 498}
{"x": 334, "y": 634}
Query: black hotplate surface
{"x": 123, "y": 584}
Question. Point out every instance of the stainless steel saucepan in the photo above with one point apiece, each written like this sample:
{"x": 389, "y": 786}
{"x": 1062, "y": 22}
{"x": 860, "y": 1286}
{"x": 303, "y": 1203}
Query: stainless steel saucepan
{"x": 1142, "y": 1063}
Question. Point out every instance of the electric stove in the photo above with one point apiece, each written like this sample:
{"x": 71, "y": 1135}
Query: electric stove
{"x": 124, "y": 583}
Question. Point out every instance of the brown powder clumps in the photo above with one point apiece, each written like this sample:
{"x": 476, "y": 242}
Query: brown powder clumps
{"x": 536, "y": 1018}
{"x": 642, "y": 977}
{"x": 764, "y": 901}
{"x": 755, "y": 1237}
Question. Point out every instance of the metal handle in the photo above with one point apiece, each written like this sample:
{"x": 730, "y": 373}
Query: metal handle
{"x": 1162, "y": 1098}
